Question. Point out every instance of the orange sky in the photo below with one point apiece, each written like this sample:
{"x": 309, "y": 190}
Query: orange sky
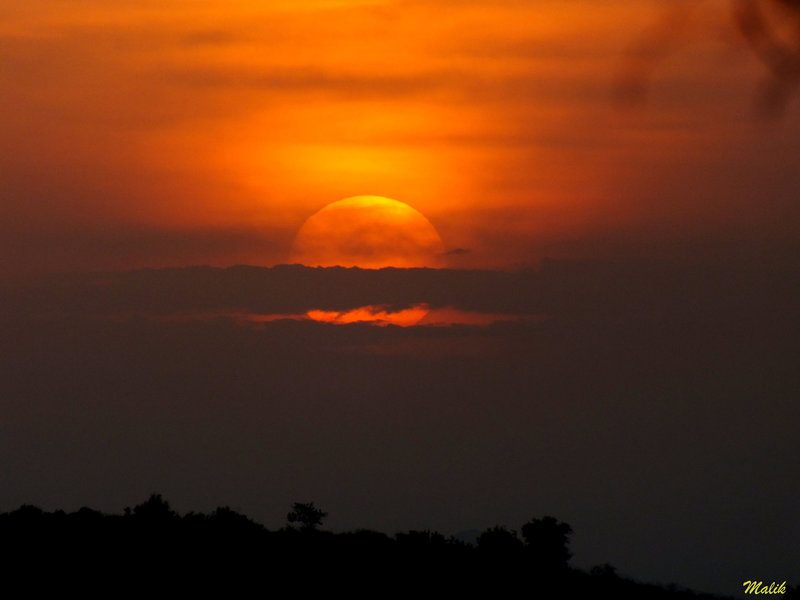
{"x": 150, "y": 134}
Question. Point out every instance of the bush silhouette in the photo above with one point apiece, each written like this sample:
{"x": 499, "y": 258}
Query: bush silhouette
{"x": 547, "y": 542}
{"x": 498, "y": 542}
{"x": 155, "y": 509}
{"x": 307, "y": 515}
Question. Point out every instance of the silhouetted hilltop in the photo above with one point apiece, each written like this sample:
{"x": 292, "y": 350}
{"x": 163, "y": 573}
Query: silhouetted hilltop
{"x": 152, "y": 543}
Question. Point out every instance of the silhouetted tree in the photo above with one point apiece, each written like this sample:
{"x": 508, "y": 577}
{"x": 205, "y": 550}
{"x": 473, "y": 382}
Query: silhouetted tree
{"x": 307, "y": 515}
{"x": 499, "y": 542}
{"x": 154, "y": 509}
{"x": 547, "y": 541}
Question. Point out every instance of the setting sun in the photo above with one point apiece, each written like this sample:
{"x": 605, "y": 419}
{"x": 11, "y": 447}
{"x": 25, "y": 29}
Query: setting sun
{"x": 370, "y": 232}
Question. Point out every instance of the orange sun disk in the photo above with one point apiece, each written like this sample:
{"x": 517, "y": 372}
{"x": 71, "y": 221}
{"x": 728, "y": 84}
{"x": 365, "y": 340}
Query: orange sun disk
{"x": 370, "y": 232}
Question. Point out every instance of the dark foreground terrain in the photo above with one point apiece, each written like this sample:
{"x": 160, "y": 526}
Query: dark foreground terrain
{"x": 152, "y": 548}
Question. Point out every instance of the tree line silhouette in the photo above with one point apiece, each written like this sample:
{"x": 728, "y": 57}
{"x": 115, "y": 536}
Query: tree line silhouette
{"x": 152, "y": 544}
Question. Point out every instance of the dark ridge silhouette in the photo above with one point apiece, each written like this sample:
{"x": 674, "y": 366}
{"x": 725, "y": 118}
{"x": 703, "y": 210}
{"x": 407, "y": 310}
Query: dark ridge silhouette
{"x": 151, "y": 543}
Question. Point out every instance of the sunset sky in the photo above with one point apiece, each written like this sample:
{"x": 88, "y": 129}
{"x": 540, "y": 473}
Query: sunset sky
{"x": 151, "y": 134}
{"x": 611, "y": 186}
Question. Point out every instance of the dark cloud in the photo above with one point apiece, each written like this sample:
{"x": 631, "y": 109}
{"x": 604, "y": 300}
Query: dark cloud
{"x": 30, "y": 249}
{"x": 310, "y": 79}
{"x": 473, "y": 85}
{"x": 560, "y": 288}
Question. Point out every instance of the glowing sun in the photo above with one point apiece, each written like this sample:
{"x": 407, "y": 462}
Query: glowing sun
{"x": 370, "y": 232}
